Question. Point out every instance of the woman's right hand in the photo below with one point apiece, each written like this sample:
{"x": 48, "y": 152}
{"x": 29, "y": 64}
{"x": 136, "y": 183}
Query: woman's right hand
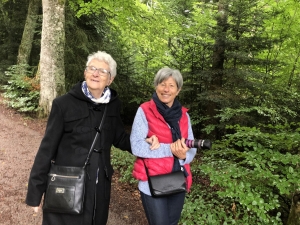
{"x": 153, "y": 140}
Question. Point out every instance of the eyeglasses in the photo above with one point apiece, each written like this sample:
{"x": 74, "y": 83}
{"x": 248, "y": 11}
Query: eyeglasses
{"x": 102, "y": 72}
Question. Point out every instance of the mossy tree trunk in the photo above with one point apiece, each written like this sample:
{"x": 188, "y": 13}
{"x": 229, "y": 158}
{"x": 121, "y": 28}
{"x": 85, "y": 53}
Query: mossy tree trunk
{"x": 29, "y": 31}
{"x": 52, "y": 71}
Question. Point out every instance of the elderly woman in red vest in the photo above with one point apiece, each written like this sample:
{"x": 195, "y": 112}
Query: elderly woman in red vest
{"x": 164, "y": 117}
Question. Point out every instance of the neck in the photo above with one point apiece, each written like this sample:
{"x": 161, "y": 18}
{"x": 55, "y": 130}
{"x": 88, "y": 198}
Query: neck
{"x": 96, "y": 94}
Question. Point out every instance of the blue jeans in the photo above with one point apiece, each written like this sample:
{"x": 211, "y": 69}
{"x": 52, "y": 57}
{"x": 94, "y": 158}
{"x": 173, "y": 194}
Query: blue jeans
{"x": 163, "y": 210}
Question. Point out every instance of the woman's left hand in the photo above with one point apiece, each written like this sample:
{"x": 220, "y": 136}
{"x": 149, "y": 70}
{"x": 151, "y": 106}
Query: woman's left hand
{"x": 179, "y": 148}
{"x": 153, "y": 140}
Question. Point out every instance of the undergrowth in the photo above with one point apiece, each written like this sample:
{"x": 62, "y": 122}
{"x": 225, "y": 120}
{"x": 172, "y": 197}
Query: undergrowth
{"x": 22, "y": 89}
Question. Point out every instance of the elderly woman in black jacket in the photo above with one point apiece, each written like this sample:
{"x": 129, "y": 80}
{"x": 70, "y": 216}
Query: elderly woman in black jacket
{"x": 69, "y": 135}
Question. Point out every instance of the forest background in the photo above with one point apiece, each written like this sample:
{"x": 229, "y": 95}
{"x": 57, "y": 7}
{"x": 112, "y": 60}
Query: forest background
{"x": 241, "y": 70}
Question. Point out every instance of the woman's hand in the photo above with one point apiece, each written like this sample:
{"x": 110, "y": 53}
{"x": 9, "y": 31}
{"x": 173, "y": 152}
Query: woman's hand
{"x": 36, "y": 209}
{"x": 153, "y": 140}
{"x": 179, "y": 148}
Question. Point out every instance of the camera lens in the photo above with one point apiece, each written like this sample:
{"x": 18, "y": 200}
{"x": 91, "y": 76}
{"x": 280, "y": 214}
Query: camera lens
{"x": 198, "y": 143}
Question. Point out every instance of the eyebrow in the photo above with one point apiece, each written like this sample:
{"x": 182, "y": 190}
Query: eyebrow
{"x": 100, "y": 68}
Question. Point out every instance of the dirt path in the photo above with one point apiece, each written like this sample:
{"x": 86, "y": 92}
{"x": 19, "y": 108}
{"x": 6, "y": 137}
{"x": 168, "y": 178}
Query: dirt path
{"x": 19, "y": 141}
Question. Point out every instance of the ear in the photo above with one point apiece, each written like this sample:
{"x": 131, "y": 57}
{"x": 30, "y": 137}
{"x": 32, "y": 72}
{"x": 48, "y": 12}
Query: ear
{"x": 110, "y": 81}
{"x": 178, "y": 91}
{"x": 84, "y": 74}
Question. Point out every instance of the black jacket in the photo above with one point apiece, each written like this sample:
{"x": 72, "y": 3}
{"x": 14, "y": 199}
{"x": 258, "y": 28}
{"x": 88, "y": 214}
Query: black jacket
{"x": 69, "y": 134}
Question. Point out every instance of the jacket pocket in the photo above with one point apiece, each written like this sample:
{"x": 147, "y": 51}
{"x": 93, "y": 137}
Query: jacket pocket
{"x": 76, "y": 123}
{"x": 107, "y": 182}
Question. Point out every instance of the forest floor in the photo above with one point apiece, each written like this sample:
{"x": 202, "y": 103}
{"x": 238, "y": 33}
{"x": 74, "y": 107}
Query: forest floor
{"x": 20, "y": 137}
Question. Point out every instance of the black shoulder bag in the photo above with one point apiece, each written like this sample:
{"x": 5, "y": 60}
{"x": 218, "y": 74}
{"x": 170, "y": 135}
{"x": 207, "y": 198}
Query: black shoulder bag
{"x": 66, "y": 185}
{"x": 167, "y": 184}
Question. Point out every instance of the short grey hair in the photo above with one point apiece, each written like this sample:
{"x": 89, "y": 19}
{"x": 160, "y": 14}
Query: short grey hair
{"x": 104, "y": 57}
{"x": 167, "y": 72}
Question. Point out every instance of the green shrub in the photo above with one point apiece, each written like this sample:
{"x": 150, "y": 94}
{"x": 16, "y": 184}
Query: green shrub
{"x": 253, "y": 170}
{"x": 123, "y": 162}
{"x": 22, "y": 89}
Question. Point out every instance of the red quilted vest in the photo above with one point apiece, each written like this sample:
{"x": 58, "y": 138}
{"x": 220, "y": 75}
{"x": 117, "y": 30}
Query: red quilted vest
{"x": 159, "y": 127}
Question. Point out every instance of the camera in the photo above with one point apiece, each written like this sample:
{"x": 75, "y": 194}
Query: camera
{"x": 198, "y": 143}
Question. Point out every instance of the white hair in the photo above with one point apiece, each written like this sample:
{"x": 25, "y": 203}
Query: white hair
{"x": 104, "y": 57}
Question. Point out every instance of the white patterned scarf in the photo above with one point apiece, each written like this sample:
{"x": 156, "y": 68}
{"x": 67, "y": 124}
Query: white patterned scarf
{"x": 105, "y": 98}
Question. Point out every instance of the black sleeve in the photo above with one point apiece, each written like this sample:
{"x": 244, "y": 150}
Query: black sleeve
{"x": 122, "y": 138}
{"x": 39, "y": 173}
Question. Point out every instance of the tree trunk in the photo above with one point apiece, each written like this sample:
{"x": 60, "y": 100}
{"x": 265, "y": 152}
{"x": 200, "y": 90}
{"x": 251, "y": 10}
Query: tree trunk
{"x": 52, "y": 71}
{"x": 294, "y": 69}
{"x": 218, "y": 62}
{"x": 28, "y": 33}
{"x": 294, "y": 216}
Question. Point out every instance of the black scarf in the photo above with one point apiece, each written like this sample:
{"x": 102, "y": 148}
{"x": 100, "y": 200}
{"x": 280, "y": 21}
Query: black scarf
{"x": 172, "y": 115}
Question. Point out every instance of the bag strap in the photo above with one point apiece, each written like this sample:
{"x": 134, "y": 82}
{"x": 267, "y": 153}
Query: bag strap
{"x": 176, "y": 164}
{"x": 176, "y": 161}
{"x": 96, "y": 137}
{"x": 177, "y": 167}
{"x": 146, "y": 168}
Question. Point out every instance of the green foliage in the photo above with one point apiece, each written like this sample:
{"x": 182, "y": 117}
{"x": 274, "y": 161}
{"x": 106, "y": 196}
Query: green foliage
{"x": 123, "y": 162}
{"x": 139, "y": 44}
{"x": 84, "y": 36}
{"x": 279, "y": 108}
{"x": 204, "y": 206}
{"x": 22, "y": 90}
{"x": 256, "y": 170}
{"x": 12, "y": 21}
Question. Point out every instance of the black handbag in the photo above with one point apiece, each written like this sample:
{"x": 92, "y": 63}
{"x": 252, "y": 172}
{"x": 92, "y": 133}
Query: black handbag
{"x": 167, "y": 184}
{"x": 66, "y": 185}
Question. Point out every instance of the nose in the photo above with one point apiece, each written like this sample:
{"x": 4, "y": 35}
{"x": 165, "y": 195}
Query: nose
{"x": 166, "y": 88}
{"x": 96, "y": 73}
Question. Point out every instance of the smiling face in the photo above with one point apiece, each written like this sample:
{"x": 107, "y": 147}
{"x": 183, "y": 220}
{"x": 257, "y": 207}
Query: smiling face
{"x": 167, "y": 91}
{"x": 95, "y": 80}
